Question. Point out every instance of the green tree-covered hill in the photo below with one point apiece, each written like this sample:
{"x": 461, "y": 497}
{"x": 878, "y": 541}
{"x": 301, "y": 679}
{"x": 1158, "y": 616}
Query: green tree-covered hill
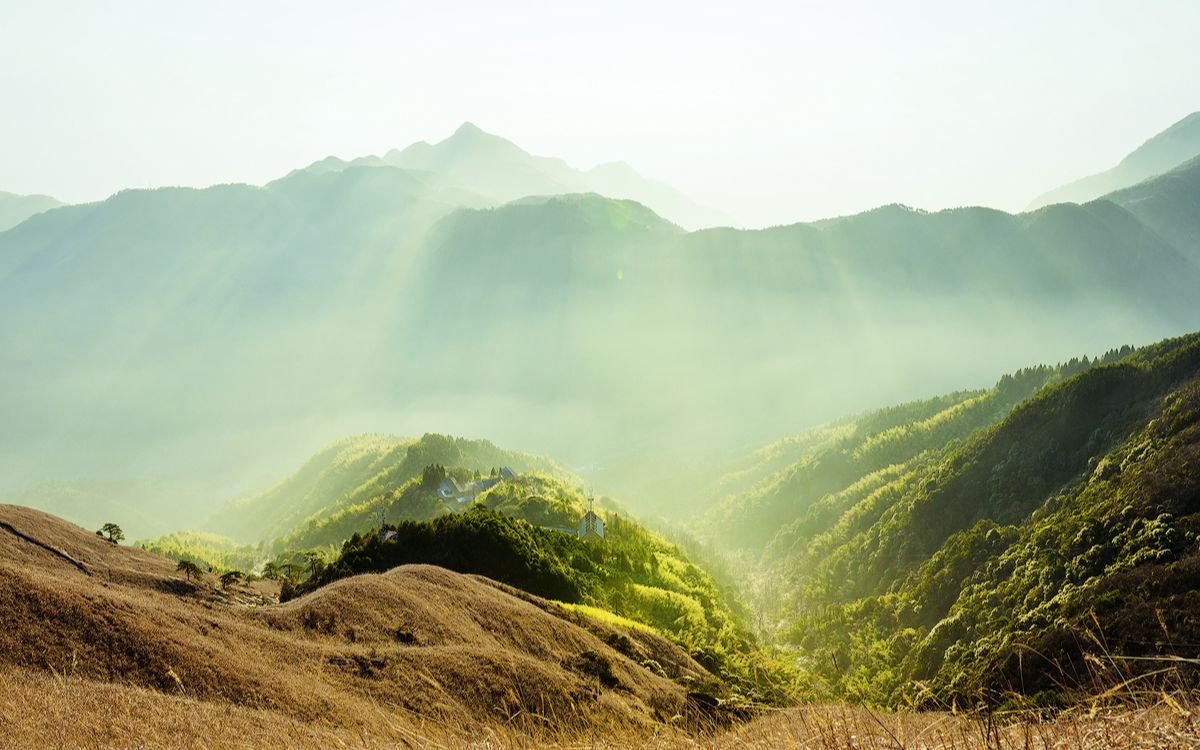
{"x": 345, "y": 479}
{"x": 1003, "y": 556}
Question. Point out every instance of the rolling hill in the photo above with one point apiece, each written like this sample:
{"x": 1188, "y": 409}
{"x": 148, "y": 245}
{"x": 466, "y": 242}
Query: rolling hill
{"x": 440, "y": 504}
{"x": 1174, "y": 146}
{"x": 474, "y": 653}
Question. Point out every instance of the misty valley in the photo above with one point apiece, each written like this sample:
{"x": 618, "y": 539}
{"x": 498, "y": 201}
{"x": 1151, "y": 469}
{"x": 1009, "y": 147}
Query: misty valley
{"x": 460, "y": 446}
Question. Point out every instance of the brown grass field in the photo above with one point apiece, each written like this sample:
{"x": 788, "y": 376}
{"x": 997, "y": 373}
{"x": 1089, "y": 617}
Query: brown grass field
{"x": 107, "y": 647}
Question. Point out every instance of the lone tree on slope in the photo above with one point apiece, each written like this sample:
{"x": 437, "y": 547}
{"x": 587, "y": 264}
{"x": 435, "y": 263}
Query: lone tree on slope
{"x": 316, "y": 562}
{"x": 111, "y": 532}
{"x": 272, "y": 572}
{"x": 189, "y": 569}
{"x": 230, "y": 577}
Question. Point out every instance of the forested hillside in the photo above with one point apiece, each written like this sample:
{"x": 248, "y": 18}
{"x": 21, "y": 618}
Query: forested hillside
{"x": 791, "y": 489}
{"x": 987, "y": 560}
{"x": 1170, "y": 205}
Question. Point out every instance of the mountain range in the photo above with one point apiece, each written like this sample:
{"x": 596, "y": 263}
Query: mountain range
{"x": 501, "y": 171}
{"x": 948, "y": 524}
{"x": 186, "y": 334}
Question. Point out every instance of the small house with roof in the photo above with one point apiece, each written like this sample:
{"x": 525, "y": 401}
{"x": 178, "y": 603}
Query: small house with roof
{"x": 591, "y": 526}
{"x": 451, "y": 489}
{"x": 459, "y": 495}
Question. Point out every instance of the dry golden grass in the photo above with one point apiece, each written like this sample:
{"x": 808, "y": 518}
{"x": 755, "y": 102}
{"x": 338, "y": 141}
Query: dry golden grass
{"x": 39, "y": 710}
{"x": 413, "y": 647}
{"x": 105, "y": 647}
{"x": 1158, "y": 727}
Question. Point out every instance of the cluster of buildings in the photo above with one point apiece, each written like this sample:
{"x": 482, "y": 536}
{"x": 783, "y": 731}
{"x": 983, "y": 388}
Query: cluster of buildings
{"x": 460, "y": 496}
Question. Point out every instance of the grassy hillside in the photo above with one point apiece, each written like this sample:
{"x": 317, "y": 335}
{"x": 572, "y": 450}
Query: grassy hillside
{"x": 1001, "y": 562}
{"x": 372, "y": 655}
{"x": 510, "y": 528}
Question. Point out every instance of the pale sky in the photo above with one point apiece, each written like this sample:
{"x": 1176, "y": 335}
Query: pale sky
{"x": 773, "y": 112}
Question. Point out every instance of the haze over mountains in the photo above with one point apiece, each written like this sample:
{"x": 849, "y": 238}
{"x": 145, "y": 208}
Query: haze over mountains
{"x": 226, "y": 332}
{"x": 17, "y": 208}
{"x": 967, "y": 528}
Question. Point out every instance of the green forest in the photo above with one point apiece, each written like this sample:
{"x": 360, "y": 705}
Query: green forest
{"x": 991, "y": 548}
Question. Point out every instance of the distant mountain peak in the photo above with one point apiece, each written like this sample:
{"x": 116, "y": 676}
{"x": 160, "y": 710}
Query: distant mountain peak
{"x": 469, "y": 128}
{"x": 470, "y": 135}
{"x": 499, "y": 170}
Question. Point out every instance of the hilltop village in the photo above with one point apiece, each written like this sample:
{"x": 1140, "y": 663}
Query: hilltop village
{"x": 459, "y": 496}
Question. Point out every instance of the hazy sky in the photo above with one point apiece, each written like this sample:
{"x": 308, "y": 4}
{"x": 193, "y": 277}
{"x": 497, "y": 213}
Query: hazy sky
{"x": 774, "y": 112}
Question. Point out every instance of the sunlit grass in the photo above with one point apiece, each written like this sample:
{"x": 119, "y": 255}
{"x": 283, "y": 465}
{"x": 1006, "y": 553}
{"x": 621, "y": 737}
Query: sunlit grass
{"x": 605, "y": 616}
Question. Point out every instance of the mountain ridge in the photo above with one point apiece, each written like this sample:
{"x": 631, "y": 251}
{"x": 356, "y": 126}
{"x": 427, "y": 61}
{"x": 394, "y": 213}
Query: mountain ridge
{"x": 353, "y": 292}
{"x": 15, "y": 209}
{"x": 497, "y": 167}
{"x": 1159, "y": 154}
